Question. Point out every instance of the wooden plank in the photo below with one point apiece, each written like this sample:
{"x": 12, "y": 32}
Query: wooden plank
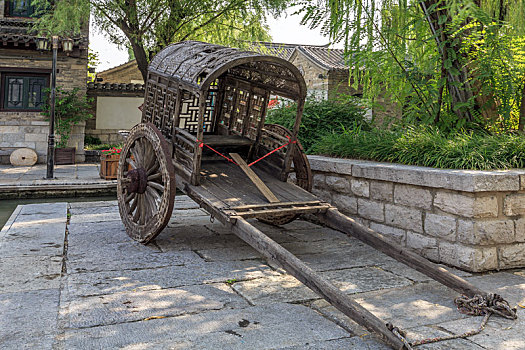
{"x": 334, "y": 219}
{"x": 254, "y": 178}
{"x": 274, "y": 205}
{"x": 226, "y": 140}
{"x": 273, "y": 251}
{"x": 296, "y": 210}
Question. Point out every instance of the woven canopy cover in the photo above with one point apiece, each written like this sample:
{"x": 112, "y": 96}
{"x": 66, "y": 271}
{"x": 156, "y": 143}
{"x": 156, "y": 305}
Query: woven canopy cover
{"x": 196, "y": 65}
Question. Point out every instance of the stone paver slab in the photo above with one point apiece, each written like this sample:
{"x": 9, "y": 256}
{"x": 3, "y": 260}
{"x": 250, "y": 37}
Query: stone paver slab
{"x": 125, "y": 256}
{"x": 407, "y": 307}
{"x": 107, "y": 282}
{"x": 288, "y": 289}
{"x": 29, "y": 319}
{"x": 25, "y": 273}
{"x": 261, "y": 327}
{"x": 140, "y": 305}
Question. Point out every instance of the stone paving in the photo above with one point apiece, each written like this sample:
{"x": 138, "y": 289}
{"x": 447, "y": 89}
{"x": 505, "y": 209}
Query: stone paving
{"x": 15, "y": 181}
{"x": 72, "y": 279}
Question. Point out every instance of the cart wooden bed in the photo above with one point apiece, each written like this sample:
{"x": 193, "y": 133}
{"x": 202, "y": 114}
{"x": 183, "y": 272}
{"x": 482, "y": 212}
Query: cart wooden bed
{"x": 203, "y": 120}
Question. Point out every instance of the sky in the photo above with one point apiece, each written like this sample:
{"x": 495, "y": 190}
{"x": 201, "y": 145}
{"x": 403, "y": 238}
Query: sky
{"x": 285, "y": 29}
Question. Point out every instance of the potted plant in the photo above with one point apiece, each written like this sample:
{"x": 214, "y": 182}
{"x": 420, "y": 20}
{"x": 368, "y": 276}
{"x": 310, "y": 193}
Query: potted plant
{"x": 109, "y": 163}
{"x": 70, "y": 109}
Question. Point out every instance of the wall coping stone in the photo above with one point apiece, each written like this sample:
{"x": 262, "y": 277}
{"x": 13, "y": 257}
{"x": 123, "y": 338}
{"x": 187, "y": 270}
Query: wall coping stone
{"x": 458, "y": 180}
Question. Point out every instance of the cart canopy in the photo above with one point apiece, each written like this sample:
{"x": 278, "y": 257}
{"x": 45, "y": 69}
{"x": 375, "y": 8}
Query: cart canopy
{"x": 196, "y": 65}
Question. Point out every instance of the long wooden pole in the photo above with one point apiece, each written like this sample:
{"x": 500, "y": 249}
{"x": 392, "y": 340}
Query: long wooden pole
{"x": 273, "y": 251}
{"x": 334, "y": 219}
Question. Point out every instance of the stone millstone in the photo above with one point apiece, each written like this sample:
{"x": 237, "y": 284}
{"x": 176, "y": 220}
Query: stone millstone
{"x": 23, "y": 157}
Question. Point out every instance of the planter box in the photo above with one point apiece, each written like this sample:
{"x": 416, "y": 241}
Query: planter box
{"x": 65, "y": 155}
{"x": 109, "y": 166}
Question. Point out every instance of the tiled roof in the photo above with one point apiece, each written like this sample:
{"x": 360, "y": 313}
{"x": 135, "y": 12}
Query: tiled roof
{"x": 331, "y": 59}
{"x": 115, "y": 87}
{"x": 18, "y": 31}
{"x": 120, "y": 66}
{"x": 280, "y": 50}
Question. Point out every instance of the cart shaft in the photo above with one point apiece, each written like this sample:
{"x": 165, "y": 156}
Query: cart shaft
{"x": 273, "y": 251}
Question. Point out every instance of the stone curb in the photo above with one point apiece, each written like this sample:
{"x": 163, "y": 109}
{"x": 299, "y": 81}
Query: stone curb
{"x": 459, "y": 180}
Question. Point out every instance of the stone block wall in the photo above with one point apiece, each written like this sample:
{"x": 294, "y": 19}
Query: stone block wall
{"x": 30, "y": 129}
{"x": 473, "y": 220}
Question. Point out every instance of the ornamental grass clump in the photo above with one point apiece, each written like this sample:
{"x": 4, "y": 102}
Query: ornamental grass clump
{"x": 427, "y": 146}
{"x": 320, "y": 117}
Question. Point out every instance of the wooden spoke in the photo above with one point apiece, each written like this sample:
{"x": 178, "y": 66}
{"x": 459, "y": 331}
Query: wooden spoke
{"x": 132, "y": 163}
{"x": 133, "y": 206}
{"x": 156, "y": 186}
{"x": 136, "y": 155}
{"x": 145, "y": 214}
{"x": 149, "y": 155}
{"x": 137, "y": 205}
{"x": 130, "y": 197}
{"x": 154, "y": 194}
{"x": 153, "y": 168}
{"x": 155, "y": 176}
{"x": 142, "y": 209}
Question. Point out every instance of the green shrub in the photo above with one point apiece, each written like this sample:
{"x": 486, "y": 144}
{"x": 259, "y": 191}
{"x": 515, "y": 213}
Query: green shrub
{"x": 71, "y": 108}
{"x": 102, "y": 146}
{"x": 427, "y": 146}
{"x": 320, "y": 117}
{"x": 91, "y": 140}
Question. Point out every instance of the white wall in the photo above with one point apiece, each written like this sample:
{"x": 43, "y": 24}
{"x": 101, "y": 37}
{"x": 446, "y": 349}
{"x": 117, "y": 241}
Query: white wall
{"x": 118, "y": 112}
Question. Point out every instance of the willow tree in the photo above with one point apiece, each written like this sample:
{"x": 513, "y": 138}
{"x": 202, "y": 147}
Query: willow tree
{"x": 146, "y": 26}
{"x": 444, "y": 61}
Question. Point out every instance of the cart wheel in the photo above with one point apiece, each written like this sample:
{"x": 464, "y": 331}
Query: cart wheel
{"x": 301, "y": 168}
{"x": 145, "y": 183}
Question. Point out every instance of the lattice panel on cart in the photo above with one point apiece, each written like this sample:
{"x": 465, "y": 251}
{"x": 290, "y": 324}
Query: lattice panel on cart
{"x": 240, "y": 109}
{"x": 158, "y": 105}
{"x": 169, "y": 110}
{"x": 255, "y": 114}
{"x": 189, "y": 111}
{"x": 147, "y": 114}
{"x": 227, "y": 106}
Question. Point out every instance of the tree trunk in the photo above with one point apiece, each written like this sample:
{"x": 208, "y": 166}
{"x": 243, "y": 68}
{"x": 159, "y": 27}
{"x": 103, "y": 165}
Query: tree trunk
{"x": 521, "y": 122}
{"x": 457, "y": 84}
{"x": 141, "y": 57}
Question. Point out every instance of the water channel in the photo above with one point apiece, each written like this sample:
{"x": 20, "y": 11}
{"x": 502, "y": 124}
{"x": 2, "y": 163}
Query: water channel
{"x": 7, "y": 206}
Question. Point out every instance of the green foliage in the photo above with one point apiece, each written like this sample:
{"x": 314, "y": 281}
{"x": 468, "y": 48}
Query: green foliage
{"x": 147, "y": 26}
{"x": 320, "y": 117}
{"x": 70, "y": 109}
{"x": 102, "y": 146}
{"x": 93, "y": 62}
{"x": 63, "y": 18}
{"x": 454, "y": 64}
{"x": 90, "y": 140}
{"x": 428, "y": 146}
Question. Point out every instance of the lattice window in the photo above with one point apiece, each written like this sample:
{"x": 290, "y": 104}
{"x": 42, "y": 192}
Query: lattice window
{"x": 189, "y": 112}
{"x": 23, "y": 92}
{"x": 147, "y": 117}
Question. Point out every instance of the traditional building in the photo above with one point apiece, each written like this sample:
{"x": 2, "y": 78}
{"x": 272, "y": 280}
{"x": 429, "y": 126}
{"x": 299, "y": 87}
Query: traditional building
{"x": 326, "y": 73}
{"x": 127, "y": 73}
{"x": 24, "y": 74}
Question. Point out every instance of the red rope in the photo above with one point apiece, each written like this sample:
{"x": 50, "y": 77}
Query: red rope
{"x": 219, "y": 153}
{"x": 202, "y": 144}
{"x": 275, "y": 150}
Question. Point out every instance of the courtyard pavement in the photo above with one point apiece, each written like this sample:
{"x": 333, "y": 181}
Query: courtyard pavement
{"x": 72, "y": 279}
{"x": 82, "y": 176}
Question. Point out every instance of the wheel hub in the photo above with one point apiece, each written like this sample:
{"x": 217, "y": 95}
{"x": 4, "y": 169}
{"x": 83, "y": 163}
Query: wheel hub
{"x": 138, "y": 180}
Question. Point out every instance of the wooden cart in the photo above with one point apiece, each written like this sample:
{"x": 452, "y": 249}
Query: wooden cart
{"x": 203, "y": 131}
